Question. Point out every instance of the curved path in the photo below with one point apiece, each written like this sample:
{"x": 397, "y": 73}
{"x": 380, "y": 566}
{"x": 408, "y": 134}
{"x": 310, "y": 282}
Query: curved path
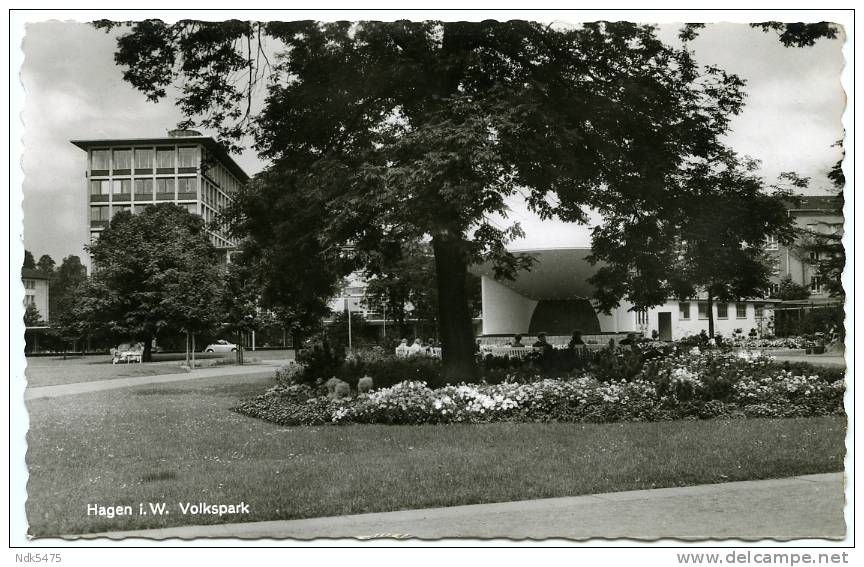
{"x": 808, "y": 506}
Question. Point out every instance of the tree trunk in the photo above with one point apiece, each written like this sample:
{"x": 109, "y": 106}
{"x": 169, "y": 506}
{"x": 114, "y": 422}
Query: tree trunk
{"x": 187, "y": 349}
{"x": 457, "y": 337}
{"x": 710, "y": 316}
{"x": 193, "y": 350}
{"x": 239, "y": 344}
{"x": 147, "y": 355}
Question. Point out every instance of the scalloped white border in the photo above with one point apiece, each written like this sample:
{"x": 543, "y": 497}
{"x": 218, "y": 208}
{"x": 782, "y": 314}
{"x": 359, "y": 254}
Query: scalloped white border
{"x": 18, "y": 414}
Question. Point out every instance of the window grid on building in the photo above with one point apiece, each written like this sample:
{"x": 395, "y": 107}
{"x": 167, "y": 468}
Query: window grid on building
{"x": 684, "y": 310}
{"x": 156, "y": 173}
{"x": 815, "y": 284}
{"x": 740, "y": 310}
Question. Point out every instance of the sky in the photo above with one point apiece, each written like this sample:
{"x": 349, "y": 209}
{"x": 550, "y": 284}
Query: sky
{"x": 73, "y": 90}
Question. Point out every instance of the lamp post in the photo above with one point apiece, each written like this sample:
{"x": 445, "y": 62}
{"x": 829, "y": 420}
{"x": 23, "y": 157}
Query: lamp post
{"x": 348, "y": 311}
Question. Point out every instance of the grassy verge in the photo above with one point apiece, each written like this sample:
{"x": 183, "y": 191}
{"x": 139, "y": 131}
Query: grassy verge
{"x": 63, "y": 372}
{"x": 179, "y": 443}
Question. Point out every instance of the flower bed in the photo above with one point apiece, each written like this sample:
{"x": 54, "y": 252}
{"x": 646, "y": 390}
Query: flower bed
{"x": 685, "y": 386}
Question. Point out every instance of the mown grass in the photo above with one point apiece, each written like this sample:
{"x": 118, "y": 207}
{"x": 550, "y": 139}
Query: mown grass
{"x": 53, "y": 372}
{"x": 179, "y": 442}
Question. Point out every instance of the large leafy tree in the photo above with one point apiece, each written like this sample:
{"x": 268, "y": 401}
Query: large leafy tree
{"x": 67, "y": 277}
{"x": 384, "y": 132}
{"x": 790, "y": 34}
{"x": 711, "y": 246}
{"x": 153, "y": 271}
{"x": 46, "y": 265}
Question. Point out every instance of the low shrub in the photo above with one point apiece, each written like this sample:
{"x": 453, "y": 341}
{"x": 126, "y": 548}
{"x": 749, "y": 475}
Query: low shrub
{"x": 331, "y": 385}
{"x": 289, "y": 374}
{"x": 342, "y": 390}
{"x": 364, "y": 385}
{"x": 388, "y": 370}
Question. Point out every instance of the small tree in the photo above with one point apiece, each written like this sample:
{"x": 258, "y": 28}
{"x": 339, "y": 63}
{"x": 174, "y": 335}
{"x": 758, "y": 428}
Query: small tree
{"x": 32, "y": 317}
{"x": 239, "y": 303}
{"x": 29, "y": 261}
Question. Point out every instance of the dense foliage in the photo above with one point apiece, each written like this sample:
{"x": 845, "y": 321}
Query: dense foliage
{"x": 385, "y": 133}
{"x": 325, "y": 360}
{"x": 153, "y": 271}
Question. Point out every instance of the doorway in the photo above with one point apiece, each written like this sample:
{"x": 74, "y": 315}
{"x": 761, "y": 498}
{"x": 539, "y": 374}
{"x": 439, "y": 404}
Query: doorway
{"x": 664, "y": 325}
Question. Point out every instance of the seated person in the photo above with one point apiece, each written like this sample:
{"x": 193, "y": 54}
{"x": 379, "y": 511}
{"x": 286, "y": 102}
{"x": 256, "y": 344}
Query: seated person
{"x": 517, "y": 341}
{"x": 415, "y": 348}
{"x": 576, "y": 340}
{"x": 402, "y": 349}
{"x": 542, "y": 344}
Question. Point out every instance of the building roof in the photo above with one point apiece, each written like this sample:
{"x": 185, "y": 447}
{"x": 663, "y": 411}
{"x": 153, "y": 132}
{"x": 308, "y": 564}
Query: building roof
{"x": 212, "y": 145}
{"x": 559, "y": 273}
{"x": 32, "y": 274}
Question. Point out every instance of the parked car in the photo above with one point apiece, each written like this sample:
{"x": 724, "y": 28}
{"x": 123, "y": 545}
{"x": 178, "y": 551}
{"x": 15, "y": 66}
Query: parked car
{"x": 221, "y": 346}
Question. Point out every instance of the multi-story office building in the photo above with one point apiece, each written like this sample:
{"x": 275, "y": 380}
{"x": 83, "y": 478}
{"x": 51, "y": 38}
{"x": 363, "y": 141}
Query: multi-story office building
{"x": 185, "y": 168}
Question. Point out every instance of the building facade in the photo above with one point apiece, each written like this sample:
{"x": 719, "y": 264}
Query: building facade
{"x": 36, "y": 291}
{"x": 816, "y": 215}
{"x": 185, "y": 168}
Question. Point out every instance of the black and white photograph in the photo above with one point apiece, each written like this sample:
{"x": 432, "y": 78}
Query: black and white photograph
{"x": 407, "y": 278}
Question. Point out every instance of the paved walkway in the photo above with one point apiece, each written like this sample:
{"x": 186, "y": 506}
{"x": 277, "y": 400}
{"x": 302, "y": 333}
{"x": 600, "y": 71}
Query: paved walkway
{"x": 265, "y": 367}
{"x": 790, "y": 508}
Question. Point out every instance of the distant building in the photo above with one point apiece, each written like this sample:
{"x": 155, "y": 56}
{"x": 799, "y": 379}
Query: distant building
{"x": 36, "y": 291}
{"x": 184, "y": 168}
{"x": 554, "y": 298}
{"x": 813, "y": 214}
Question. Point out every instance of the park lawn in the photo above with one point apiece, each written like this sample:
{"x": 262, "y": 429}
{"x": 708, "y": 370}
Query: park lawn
{"x": 179, "y": 442}
{"x": 56, "y": 372}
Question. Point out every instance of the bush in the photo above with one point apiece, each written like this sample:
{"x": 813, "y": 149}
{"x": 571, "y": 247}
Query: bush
{"x": 364, "y": 385}
{"x": 320, "y": 361}
{"x": 343, "y": 390}
{"x": 289, "y": 374}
